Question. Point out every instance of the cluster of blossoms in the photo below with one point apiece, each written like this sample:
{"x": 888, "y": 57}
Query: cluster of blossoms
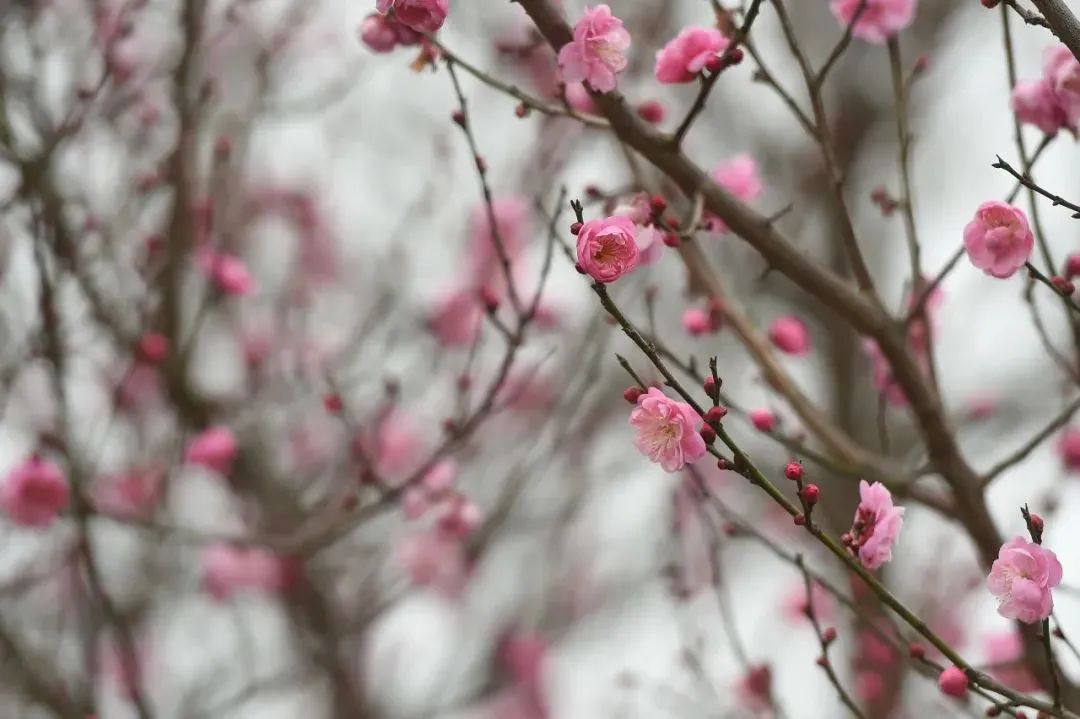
{"x": 402, "y": 23}
{"x": 1052, "y": 102}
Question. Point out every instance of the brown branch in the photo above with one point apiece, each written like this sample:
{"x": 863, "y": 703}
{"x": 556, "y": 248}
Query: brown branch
{"x": 1062, "y": 22}
{"x": 1027, "y": 182}
{"x": 1028, "y": 447}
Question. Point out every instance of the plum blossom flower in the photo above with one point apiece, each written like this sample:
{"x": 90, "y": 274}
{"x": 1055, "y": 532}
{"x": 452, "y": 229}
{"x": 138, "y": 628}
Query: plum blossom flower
{"x": 34, "y": 492}
{"x": 998, "y": 239}
{"x": 512, "y": 226}
{"x": 228, "y": 570}
{"x": 880, "y": 20}
{"x": 790, "y": 335}
{"x": 684, "y": 57}
{"x": 595, "y": 55}
{"x": 1069, "y": 448}
{"x": 1061, "y": 71}
{"x": 436, "y": 560}
{"x": 740, "y": 177}
{"x": 214, "y": 448}
{"x": 383, "y": 33}
{"x": 650, "y": 239}
{"x": 876, "y": 525}
{"x": 607, "y": 249}
{"x": 420, "y": 15}
{"x": 1004, "y": 654}
{"x": 454, "y": 317}
{"x": 667, "y": 430}
{"x": 1035, "y": 103}
{"x": 763, "y": 419}
{"x": 228, "y": 272}
{"x": 1021, "y": 578}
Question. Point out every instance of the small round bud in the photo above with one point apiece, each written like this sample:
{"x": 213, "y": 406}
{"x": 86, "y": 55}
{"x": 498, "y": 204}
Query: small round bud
{"x": 1037, "y": 523}
{"x": 575, "y": 228}
{"x": 580, "y": 270}
{"x": 521, "y": 110}
{"x": 710, "y": 386}
{"x": 332, "y": 402}
{"x": 822, "y": 661}
{"x": 916, "y": 651}
{"x": 490, "y": 299}
{"x": 794, "y": 470}
{"x": 153, "y": 348}
{"x": 673, "y": 223}
{"x": 631, "y": 394}
{"x": 829, "y": 635}
{"x": 651, "y": 111}
{"x": 722, "y": 464}
{"x": 458, "y": 117}
{"x": 810, "y": 494}
{"x": 708, "y": 434}
{"x": 671, "y": 239}
{"x": 715, "y": 414}
{"x": 657, "y": 204}
{"x": 734, "y": 57}
{"x": 990, "y": 3}
{"x": 714, "y": 64}
{"x": 953, "y": 682}
{"x": 799, "y": 519}
{"x": 1062, "y": 285}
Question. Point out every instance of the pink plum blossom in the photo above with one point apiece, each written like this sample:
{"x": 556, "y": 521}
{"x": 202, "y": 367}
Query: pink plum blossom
{"x": 696, "y": 321}
{"x": 595, "y": 55}
{"x": 512, "y": 222}
{"x": 953, "y": 682}
{"x": 228, "y": 272}
{"x": 880, "y": 20}
{"x": 1061, "y": 71}
{"x": 1035, "y": 103}
{"x": 667, "y": 430}
{"x": 607, "y": 249}
{"x": 34, "y": 492}
{"x": 790, "y": 335}
{"x": 434, "y": 560}
{"x": 1069, "y": 448}
{"x": 1004, "y": 654}
{"x": 998, "y": 240}
{"x": 683, "y": 58}
{"x": 1021, "y": 578}
{"x": 228, "y": 570}
{"x": 215, "y": 448}
{"x": 876, "y": 526}
{"x": 424, "y": 16}
{"x": 454, "y": 317}
{"x": 740, "y": 177}
{"x": 377, "y": 32}
{"x": 764, "y": 420}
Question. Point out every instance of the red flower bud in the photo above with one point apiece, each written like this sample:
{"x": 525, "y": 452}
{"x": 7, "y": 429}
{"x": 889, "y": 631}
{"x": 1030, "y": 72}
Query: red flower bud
{"x": 631, "y": 394}
{"x": 793, "y": 471}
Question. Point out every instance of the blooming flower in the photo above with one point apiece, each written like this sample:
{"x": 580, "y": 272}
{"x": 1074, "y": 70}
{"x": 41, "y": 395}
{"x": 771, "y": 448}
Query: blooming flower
{"x": 595, "y": 54}
{"x": 607, "y": 249}
{"x": 1035, "y": 103}
{"x": 34, "y": 492}
{"x": 998, "y": 240}
{"x": 454, "y": 317}
{"x": 1004, "y": 655}
{"x": 684, "y": 57}
{"x": 876, "y": 525}
{"x": 1021, "y": 578}
{"x": 667, "y": 430}
{"x": 228, "y": 570}
{"x": 880, "y": 20}
{"x": 1061, "y": 71}
{"x": 420, "y": 15}
{"x": 739, "y": 176}
{"x": 214, "y": 448}
{"x": 789, "y": 335}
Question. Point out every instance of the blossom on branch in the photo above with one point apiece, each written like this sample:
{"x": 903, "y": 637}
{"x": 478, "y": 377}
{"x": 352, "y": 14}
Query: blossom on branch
{"x": 878, "y": 21}
{"x": 876, "y": 526}
{"x": 595, "y": 55}
{"x": 683, "y": 59}
{"x": 1021, "y": 578}
{"x": 998, "y": 240}
{"x": 667, "y": 430}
